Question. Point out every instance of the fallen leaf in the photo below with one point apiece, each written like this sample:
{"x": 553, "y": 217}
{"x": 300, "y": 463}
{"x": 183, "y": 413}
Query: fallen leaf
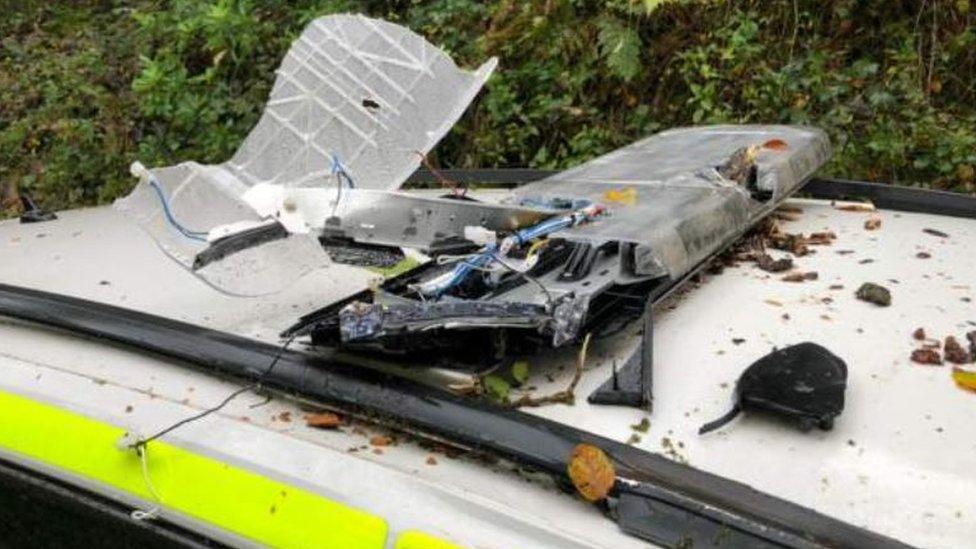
{"x": 923, "y": 255}
{"x": 431, "y": 460}
{"x": 954, "y": 352}
{"x": 927, "y": 356}
{"x": 873, "y": 223}
{"x": 324, "y": 420}
{"x": 520, "y": 371}
{"x": 965, "y": 379}
{"x": 919, "y": 334}
{"x": 776, "y": 145}
{"x": 935, "y": 232}
{"x": 496, "y": 387}
{"x": 380, "y": 440}
{"x": 591, "y": 472}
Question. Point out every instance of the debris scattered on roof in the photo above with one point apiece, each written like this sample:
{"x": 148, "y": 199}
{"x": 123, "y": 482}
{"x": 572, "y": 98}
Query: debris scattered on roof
{"x": 935, "y": 232}
{"x": 964, "y": 378}
{"x": 380, "y": 440}
{"x": 768, "y": 264}
{"x": 323, "y": 420}
{"x": 800, "y": 276}
{"x": 872, "y": 223}
{"x": 927, "y": 356}
{"x": 864, "y": 207}
{"x": 874, "y": 293}
{"x": 954, "y": 352}
{"x": 643, "y": 426}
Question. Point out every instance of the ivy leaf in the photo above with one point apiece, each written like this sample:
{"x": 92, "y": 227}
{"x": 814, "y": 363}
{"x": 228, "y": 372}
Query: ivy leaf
{"x": 497, "y": 387}
{"x": 620, "y": 47}
{"x": 520, "y": 372}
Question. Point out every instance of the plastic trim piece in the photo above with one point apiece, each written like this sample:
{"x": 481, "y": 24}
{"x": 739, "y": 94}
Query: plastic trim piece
{"x": 892, "y": 197}
{"x": 528, "y": 440}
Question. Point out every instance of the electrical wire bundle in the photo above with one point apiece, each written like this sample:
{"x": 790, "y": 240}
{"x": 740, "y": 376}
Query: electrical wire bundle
{"x": 492, "y": 255}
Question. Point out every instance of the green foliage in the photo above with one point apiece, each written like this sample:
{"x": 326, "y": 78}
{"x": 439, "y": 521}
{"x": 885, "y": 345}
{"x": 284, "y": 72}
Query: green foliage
{"x": 88, "y": 86}
{"x": 520, "y": 372}
{"x": 496, "y": 387}
{"x": 620, "y": 46}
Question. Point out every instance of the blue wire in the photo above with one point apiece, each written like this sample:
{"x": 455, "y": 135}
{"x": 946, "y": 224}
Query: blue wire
{"x": 338, "y": 169}
{"x": 192, "y": 235}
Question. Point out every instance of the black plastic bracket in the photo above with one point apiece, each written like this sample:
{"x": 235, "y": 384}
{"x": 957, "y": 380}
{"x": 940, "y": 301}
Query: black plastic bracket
{"x": 632, "y": 385}
{"x": 33, "y": 213}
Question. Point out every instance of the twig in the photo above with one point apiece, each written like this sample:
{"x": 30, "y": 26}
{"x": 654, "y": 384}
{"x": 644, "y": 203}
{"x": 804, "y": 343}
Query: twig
{"x": 567, "y": 395}
{"x": 796, "y": 27}
{"x": 455, "y": 187}
{"x": 933, "y": 46}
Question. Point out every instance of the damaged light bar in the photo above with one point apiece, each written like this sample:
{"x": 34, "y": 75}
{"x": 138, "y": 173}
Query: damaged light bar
{"x": 636, "y": 223}
{"x": 356, "y": 106}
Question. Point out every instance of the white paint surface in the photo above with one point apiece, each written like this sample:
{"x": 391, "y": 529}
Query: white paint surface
{"x": 899, "y": 460}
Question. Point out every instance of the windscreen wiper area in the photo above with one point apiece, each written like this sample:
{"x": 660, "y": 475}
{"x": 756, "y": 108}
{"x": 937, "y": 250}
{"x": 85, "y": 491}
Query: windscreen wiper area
{"x": 659, "y": 500}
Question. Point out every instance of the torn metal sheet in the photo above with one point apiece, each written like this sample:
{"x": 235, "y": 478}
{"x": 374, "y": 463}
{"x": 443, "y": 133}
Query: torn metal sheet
{"x": 356, "y": 104}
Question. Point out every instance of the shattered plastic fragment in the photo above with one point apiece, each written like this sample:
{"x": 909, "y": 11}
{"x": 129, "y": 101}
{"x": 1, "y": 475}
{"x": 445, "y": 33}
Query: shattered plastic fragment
{"x": 353, "y": 101}
{"x": 803, "y": 382}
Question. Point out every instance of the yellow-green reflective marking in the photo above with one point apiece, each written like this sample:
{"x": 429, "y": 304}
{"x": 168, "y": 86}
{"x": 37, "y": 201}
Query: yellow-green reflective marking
{"x": 206, "y": 489}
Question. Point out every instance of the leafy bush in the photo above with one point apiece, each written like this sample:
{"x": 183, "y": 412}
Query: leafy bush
{"x": 88, "y": 86}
